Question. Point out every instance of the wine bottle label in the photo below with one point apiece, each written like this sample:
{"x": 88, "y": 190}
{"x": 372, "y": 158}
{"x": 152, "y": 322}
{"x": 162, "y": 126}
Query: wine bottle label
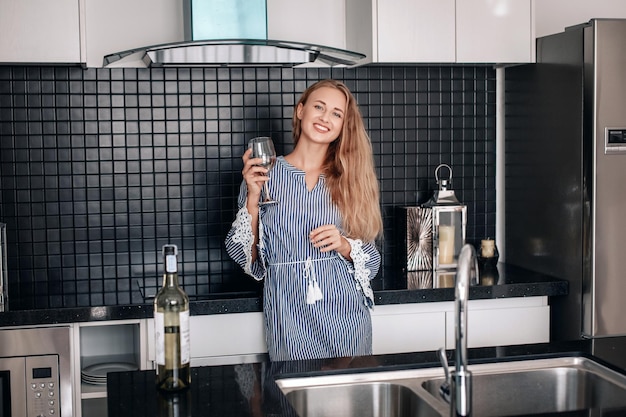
{"x": 185, "y": 345}
{"x": 159, "y": 333}
{"x": 181, "y": 332}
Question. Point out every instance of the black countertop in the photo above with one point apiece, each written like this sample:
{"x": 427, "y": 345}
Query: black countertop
{"x": 510, "y": 281}
{"x": 220, "y": 390}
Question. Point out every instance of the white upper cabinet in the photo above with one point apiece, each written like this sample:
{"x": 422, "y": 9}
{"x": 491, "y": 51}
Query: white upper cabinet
{"x": 387, "y": 31}
{"x": 84, "y": 31}
{"x": 416, "y": 31}
{"x": 553, "y": 16}
{"x": 441, "y": 31}
{"x": 118, "y": 25}
{"x": 45, "y": 31}
{"x": 499, "y": 31}
{"x": 320, "y": 23}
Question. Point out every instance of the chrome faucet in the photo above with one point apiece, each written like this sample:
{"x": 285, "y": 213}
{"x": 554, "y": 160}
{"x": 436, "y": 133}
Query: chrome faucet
{"x": 459, "y": 390}
{"x": 462, "y": 379}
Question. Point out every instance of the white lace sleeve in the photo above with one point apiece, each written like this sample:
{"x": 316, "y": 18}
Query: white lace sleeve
{"x": 362, "y": 274}
{"x": 239, "y": 244}
{"x": 244, "y": 236}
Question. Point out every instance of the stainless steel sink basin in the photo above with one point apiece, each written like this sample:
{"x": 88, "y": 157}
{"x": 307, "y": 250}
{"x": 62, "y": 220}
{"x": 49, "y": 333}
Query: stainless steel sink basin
{"x": 377, "y": 399}
{"x": 543, "y": 386}
{"x": 370, "y": 394}
{"x": 525, "y": 387}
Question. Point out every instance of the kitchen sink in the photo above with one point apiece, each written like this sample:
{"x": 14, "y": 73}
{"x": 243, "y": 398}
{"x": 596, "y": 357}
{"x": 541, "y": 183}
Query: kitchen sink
{"x": 543, "y": 386}
{"x": 394, "y": 393}
{"x": 564, "y": 384}
{"x": 377, "y": 399}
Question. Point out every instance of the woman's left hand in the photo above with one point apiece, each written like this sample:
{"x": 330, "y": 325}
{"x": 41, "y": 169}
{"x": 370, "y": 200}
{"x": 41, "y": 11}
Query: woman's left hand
{"x": 328, "y": 238}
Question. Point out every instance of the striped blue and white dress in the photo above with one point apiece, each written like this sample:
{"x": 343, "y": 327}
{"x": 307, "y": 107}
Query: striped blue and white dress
{"x": 316, "y": 305}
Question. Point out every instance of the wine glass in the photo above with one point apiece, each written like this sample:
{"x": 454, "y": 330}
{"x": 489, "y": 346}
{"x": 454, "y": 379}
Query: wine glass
{"x": 263, "y": 147}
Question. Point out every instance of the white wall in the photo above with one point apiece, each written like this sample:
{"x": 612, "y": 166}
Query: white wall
{"x": 552, "y": 16}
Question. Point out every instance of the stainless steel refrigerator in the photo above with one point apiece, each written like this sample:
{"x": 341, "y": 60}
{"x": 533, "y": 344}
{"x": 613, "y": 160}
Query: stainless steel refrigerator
{"x": 565, "y": 174}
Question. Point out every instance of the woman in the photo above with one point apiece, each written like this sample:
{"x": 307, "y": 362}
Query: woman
{"x": 315, "y": 247}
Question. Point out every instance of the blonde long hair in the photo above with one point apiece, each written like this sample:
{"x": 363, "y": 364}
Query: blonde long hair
{"x": 349, "y": 169}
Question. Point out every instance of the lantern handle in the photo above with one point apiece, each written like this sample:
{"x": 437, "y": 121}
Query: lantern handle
{"x": 437, "y": 169}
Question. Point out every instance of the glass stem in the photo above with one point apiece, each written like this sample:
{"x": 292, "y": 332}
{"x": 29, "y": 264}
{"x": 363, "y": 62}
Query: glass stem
{"x": 266, "y": 190}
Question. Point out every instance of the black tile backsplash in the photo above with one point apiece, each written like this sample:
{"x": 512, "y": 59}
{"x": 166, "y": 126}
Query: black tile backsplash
{"x": 101, "y": 167}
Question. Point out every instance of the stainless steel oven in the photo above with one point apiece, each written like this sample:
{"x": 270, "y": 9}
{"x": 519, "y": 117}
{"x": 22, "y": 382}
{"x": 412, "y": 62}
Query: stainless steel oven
{"x": 35, "y": 372}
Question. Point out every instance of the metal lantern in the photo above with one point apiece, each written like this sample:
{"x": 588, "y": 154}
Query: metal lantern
{"x": 449, "y": 221}
{"x": 435, "y": 231}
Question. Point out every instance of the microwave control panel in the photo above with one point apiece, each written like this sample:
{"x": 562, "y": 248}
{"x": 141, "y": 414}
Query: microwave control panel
{"x": 614, "y": 140}
{"x": 42, "y": 386}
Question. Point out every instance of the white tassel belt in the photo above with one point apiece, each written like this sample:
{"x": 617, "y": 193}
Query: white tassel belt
{"x": 313, "y": 291}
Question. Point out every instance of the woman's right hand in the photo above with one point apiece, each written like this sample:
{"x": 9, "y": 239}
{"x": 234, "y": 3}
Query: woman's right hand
{"x": 254, "y": 175}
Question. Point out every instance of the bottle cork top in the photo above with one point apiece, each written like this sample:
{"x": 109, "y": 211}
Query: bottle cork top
{"x": 170, "y": 249}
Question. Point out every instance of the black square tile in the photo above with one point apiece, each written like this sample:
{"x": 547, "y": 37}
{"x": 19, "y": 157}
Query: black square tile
{"x": 121, "y": 172}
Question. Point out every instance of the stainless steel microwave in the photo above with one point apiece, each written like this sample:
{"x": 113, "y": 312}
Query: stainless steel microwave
{"x": 29, "y": 386}
{"x": 35, "y": 372}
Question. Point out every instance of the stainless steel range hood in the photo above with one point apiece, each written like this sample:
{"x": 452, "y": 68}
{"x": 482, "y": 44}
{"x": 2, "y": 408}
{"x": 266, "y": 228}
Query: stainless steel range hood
{"x": 230, "y": 33}
{"x": 234, "y": 52}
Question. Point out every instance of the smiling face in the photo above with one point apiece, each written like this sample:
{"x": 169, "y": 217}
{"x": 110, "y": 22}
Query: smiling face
{"x": 322, "y": 115}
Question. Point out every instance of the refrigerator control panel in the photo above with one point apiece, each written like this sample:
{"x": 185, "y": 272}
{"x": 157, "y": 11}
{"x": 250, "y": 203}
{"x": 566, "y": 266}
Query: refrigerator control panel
{"x": 614, "y": 140}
